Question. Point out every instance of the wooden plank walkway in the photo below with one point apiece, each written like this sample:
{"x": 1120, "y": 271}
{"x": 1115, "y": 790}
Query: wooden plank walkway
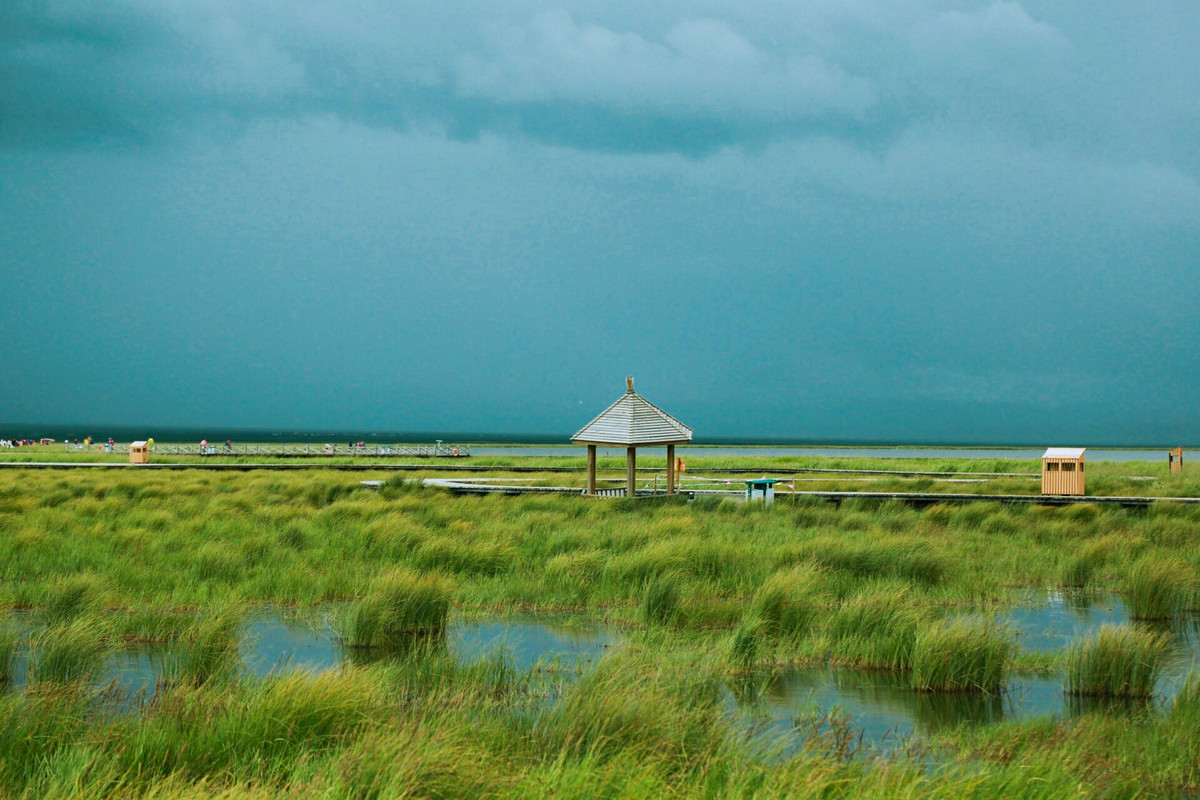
{"x": 478, "y": 486}
{"x": 471, "y": 486}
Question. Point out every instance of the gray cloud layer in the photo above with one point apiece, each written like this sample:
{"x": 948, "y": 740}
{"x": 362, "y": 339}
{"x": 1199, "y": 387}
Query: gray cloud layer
{"x": 685, "y": 76}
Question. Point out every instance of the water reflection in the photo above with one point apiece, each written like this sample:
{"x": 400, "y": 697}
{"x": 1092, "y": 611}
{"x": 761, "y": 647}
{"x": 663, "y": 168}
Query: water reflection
{"x": 884, "y": 713}
{"x": 274, "y": 643}
{"x": 1068, "y": 617}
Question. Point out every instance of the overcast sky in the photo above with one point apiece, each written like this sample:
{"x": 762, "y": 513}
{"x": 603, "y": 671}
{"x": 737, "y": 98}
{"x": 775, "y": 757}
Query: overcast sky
{"x": 855, "y": 220}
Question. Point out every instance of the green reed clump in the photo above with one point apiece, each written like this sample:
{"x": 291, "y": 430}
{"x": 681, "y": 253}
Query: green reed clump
{"x": 72, "y": 596}
{"x": 1082, "y": 567}
{"x": 1157, "y": 587}
{"x": 747, "y": 641}
{"x": 961, "y": 656}
{"x": 875, "y": 629}
{"x": 1116, "y": 662}
{"x": 632, "y": 705}
{"x": 403, "y": 606}
{"x": 915, "y": 562}
{"x": 1186, "y": 709}
{"x": 255, "y": 730}
{"x": 207, "y": 649}
{"x": 70, "y": 652}
{"x": 661, "y": 600}
{"x": 8, "y": 651}
{"x": 788, "y": 601}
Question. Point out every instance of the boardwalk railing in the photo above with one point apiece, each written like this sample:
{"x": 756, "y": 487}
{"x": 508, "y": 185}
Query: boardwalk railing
{"x": 302, "y": 450}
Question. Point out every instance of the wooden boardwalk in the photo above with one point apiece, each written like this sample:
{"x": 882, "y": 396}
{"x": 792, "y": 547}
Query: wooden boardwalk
{"x": 480, "y": 486}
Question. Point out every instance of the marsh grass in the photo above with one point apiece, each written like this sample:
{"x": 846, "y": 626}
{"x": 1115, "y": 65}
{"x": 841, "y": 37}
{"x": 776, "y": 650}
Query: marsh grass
{"x": 876, "y": 629}
{"x": 1116, "y": 662}
{"x": 207, "y": 649}
{"x": 788, "y": 602}
{"x": 661, "y": 600}
{"x": 418, "y": 722}
{"x": 8, "y": 651}
{"x": 961, "y": 656}
{"x": 1157, "y": 588}
{"x": 632, "y": 703}
{"x": 70, "y": 652}
{"x": 747, "y": 641}
{"x": 1185, "y": 711}
{"x": 402, "y": 607}
{"x": 72, "y": 596}
{"x": 911, "y": 561}
{"x": 1081, "y": 568}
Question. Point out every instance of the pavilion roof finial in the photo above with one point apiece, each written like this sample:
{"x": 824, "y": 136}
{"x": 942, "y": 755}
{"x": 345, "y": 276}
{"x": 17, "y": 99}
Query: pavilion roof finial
{"x": 628, "y": 384}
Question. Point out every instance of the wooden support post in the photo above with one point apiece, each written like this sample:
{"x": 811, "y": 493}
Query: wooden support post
{"x": 631, "y": 472}
{"x": 591, "y": 484}
{"x": 670, "y": 469}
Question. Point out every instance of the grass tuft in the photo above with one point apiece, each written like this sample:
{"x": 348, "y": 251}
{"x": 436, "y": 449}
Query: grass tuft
{"x": 71, "y": 597}
{"x": 1157, "y": 588}
{"x": 786, "y": 604}
{"x": 875, "y": 629}
{"x": 661, "y": 600}
{"x": 208, "y": 647}
{"x": 961, "y": 656}
{"x": 746, "y": 641}
{"x": 8, "y": 651}
{"x": 71, "y": 652}
{"x": 1083, "y": 566}
{"x": 1116, "y": 662}
{"x": 403, "y": 607}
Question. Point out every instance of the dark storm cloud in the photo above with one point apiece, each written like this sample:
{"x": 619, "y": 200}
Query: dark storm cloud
{"x": 684, "y": 77}
{"x": 896, "y": 219}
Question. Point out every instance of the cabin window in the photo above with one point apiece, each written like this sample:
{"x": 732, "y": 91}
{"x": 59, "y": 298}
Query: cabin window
{"x": 1052, "y": 466}
{"x": 1068, "y": 466}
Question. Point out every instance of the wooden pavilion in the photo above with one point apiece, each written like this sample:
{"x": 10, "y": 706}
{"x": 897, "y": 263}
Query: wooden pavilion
{"x": 632, "y": 422}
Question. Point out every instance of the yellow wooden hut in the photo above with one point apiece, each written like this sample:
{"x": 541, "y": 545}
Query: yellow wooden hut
{"x": 139, "y": 453}
{"x": 1062, "y": 470}
{"x": 1175, "y": 459}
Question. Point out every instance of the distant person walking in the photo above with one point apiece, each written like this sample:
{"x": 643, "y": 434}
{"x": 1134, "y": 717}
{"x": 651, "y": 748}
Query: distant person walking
{"x": 204, "y": 447}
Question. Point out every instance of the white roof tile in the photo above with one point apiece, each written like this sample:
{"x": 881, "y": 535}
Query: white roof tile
{"x": 1064, "y": 452}
{"x": 633, "y": 420}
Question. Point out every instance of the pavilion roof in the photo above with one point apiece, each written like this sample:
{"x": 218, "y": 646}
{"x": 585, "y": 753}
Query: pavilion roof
{"x": 633, "y": 421}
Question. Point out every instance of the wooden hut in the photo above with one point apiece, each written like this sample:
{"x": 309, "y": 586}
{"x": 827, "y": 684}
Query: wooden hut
{"x": 139, "y": 453}
{"x": 1062, "y": 470}
{"x": 632, "y": 422}
{"x": 1175, "y": 460}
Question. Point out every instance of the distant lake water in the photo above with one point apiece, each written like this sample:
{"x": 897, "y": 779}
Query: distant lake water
{"x": 835, "y": 452}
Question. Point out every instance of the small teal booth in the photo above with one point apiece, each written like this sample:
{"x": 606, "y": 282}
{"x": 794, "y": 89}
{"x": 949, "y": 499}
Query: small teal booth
{"x": 761, "y": 489}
